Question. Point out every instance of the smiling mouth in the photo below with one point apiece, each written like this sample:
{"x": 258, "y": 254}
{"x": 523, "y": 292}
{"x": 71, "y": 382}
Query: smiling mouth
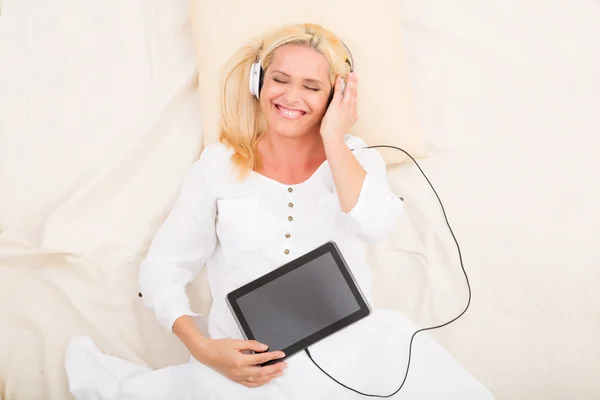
{"x": 289, "y": 113}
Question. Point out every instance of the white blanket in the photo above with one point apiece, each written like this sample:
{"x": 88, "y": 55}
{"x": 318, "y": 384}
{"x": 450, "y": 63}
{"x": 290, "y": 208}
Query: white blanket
{"x": 99, "y": 120}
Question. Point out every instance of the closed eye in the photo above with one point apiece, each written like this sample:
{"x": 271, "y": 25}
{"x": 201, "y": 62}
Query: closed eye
{"x": 276, "y": 80}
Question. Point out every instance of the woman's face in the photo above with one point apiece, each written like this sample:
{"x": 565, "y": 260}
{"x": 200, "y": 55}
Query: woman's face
{"x": 295, "y": 91}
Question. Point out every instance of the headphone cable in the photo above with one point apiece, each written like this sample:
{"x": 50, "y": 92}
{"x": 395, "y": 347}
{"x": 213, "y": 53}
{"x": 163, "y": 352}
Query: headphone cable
{"x": 307, "y": 351}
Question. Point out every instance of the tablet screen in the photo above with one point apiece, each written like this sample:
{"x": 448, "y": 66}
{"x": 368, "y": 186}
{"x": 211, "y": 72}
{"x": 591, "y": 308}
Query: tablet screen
{"x": 298, "y": 304}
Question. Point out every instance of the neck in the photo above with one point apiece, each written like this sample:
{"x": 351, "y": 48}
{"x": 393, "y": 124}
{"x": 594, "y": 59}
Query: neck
{"x": 291, "y": 156}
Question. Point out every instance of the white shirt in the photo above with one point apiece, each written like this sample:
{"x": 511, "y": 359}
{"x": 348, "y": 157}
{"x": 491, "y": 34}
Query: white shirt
{"x": 242, "y": 229}
{"x": 239, "y": 229}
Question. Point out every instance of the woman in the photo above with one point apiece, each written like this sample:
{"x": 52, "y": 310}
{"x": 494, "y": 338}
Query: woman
{"x": 282, "y": 181}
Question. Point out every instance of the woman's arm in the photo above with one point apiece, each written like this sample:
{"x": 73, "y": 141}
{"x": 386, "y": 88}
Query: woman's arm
{"x": 348, "y": 174}
{"x": 180, "y": 248}
{"x": 369, "y": 206}
{"x": 182, "y": 245}
{"x": 186, "y": 330}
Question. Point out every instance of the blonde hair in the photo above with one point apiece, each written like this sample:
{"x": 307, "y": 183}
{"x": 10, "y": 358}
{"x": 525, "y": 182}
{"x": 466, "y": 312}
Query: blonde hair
{"x": 242, "y": 122}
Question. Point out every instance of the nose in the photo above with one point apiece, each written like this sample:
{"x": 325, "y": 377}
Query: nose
{"x": 292, "y": 94}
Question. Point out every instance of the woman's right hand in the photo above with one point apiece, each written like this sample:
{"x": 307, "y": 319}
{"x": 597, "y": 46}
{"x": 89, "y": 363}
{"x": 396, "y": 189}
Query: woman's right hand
{"x": 227, "y": 357}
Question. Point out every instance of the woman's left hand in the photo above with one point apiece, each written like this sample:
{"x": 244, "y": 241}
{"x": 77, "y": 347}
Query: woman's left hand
{"x": 341, "y": 114}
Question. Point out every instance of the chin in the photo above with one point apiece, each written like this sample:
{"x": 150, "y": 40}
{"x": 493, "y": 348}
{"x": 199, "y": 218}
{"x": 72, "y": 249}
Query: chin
{"x": 287, "y": 131}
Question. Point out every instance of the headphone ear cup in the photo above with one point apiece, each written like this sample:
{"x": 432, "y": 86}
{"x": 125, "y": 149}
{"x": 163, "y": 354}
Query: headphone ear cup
{"x": 333, "y": 92}
{"x": 330, "y": 99}
{"x": 261, "y": 79}
{"x": 254, "y": 80}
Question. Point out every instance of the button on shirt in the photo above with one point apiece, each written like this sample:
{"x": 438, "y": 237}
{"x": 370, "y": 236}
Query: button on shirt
{"x": 243, "y": 229}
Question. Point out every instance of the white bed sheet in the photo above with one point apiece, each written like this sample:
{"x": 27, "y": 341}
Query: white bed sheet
{"x": 510, "y": 93}
{"x": 509, "y": 97}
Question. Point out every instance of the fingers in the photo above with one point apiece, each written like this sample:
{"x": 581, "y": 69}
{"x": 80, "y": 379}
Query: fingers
{"x": 251, "y": 345}
{"x": 349, "y": 97}
{"x": 256, "y": 359}
{"x": 253, "y": 383}
{"x": 337, "y": 90}
{"x": 268, "y": 370}
{"x": 254, "y": 374}
{"x": 258, "y": 376}
{"x": 351, "y": 91}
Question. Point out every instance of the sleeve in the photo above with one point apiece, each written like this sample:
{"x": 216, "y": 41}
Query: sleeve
{"x": 180, "y": 248}
{"x": 378, "y": 209}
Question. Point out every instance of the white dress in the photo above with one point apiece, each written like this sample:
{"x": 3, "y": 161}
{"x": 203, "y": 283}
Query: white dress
{"x": 242, "y": 229}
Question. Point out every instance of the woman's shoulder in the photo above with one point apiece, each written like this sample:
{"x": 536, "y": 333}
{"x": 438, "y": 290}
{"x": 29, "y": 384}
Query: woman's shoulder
{"x": 214, "y": 158}
{"x": 216, "y": 153}
{"x": 213, "y": 165}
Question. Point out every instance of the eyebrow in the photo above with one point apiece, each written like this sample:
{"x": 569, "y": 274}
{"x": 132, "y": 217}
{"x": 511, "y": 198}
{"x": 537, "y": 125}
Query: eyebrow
{"x": 316, "y": 81}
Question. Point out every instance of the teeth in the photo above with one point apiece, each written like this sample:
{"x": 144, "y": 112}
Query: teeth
{"x": 290, "y": 113}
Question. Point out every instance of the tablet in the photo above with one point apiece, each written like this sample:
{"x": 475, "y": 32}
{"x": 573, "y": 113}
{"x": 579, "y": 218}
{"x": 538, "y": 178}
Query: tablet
{"x": 299, "y": 303}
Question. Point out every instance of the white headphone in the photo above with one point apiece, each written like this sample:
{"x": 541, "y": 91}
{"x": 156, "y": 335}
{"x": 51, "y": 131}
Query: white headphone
{"x": 257, "y": 74}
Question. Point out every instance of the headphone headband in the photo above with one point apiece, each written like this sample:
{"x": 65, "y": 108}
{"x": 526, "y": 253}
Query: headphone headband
{"x": 349, "y": 61}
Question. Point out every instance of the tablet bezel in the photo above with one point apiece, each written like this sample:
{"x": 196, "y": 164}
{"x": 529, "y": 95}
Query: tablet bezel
{"x": 329, "y": 247}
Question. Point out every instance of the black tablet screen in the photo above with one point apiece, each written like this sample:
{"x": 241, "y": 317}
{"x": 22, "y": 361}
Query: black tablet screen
{"x": 298, "y": 304}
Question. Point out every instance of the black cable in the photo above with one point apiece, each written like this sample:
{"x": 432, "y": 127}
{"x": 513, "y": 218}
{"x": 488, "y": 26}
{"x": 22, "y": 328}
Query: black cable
{"x": 423, "y": 329}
